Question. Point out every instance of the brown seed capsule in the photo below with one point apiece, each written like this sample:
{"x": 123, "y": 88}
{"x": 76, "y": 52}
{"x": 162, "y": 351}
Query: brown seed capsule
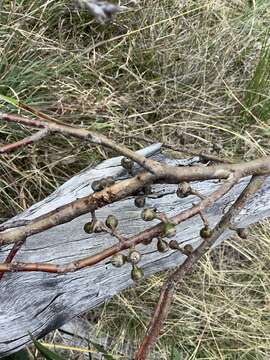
{"x": 127, "y": 164}
{"x": 188, "y": 249}
{"x": 136, "y": 273}
{"x": 111, "y": 222}
{"x": 134, "y": 257}
{"x": 118, "y": 260}
{"x": 139, "y": 201}
{"x": 148, "y": 214}
{"x": 173, "y": 244}
{"x": 169, "y": 230}
{"x": 88, "y": 227}
{"x": 242, "y": 233}
{"x": 162, "y": 245}
{"x": 183, "y": 190}
{"x": 205, "y": 232}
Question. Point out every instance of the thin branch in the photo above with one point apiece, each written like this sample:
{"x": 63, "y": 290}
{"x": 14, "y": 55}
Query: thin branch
{"x": 78, "y": 207}
{"x": 166, "y": 294}
{"x": 91, "y": 136}
{"x": 14, "y": 224}
{"x": 171, "y": 174}
{"x": 204, "y": 219}
{"x": 185, "y": 150}
{"x": 24, "y": 142}
{"x": 201, "y": 155}
{"x": 16, "y": 247}
{"x": 147, "y": 234}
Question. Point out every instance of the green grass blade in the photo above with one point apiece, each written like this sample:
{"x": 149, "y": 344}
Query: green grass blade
{"x": 9, "y": 100}
{"x": 48, "y": 354}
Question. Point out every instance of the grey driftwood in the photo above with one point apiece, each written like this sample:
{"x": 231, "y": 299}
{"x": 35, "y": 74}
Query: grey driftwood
{"x": 39, "y": 302}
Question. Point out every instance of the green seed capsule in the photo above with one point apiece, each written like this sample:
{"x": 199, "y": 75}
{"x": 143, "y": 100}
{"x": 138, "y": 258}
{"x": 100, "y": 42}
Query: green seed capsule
{"x": 205, "y": 232}
{"x": 134, "y": 257}
{"x": 169, "y": 230}
{"x": 139, "y": 201}
{"x": 183, "y": 190}
{"x": 162, "y": 245}
{"x": 148, "y": 214}
{"x": 136, "y": 273}
{"x": 127, "y": 164}
{"x": 88, "y": 227}
{"x": 118, "y": 260}
{"x": 111, "y": 222}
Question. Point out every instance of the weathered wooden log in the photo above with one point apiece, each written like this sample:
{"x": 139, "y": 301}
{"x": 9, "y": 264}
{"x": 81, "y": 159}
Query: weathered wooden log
{"x": 38, "y": 303}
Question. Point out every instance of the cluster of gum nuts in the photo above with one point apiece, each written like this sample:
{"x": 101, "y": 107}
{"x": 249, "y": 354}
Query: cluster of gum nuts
{"x": 147, "y": 214}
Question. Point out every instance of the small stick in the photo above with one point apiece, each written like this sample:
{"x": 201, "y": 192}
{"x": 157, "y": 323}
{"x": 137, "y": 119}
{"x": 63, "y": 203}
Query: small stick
{"x": 24, "y": 142}
{"x": 202, "y": 155}
{"x": 204, "y": 219}
{"x": 153, "y": 166}
{"x": 16, "y": 247}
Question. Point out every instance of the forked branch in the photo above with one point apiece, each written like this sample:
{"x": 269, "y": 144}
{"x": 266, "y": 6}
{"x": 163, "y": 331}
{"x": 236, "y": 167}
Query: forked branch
{"x": 166, "y": 294}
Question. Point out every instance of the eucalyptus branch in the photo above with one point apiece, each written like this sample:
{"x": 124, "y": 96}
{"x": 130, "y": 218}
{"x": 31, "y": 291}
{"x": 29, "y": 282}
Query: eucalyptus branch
{"x": 126, "y": 188}
{"x": 166, "y": 294}
{"x": 86, "y": 135}
{"x": 145, "y": 235}
{"x": 161, "y": 171}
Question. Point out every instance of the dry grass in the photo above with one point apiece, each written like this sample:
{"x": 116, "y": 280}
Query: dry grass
{"x": 194, "y": 73}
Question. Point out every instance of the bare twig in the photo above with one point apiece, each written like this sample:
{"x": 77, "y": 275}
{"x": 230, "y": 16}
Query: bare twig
{"x": 16, "y": 247}
{"x": 201, "y": 155}
{"x": 161, "y": 171}
{"x": 95, "y": 138}
{"x": 166, "y": 294}
{"x": 204, "y": 219}
{"x": 24, "y": 142}
{"x": 185, "y": 150}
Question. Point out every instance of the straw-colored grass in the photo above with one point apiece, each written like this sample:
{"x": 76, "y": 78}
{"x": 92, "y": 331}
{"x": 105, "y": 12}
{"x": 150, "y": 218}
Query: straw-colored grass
{"x": 193, "y": 73}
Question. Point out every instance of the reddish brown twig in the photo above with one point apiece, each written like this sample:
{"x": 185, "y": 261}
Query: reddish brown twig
{"x": 16, "y": 247}
{"x": 24, "y": 142}
{"x": 147, "y": 234}
{"x": 166, "y": 294}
